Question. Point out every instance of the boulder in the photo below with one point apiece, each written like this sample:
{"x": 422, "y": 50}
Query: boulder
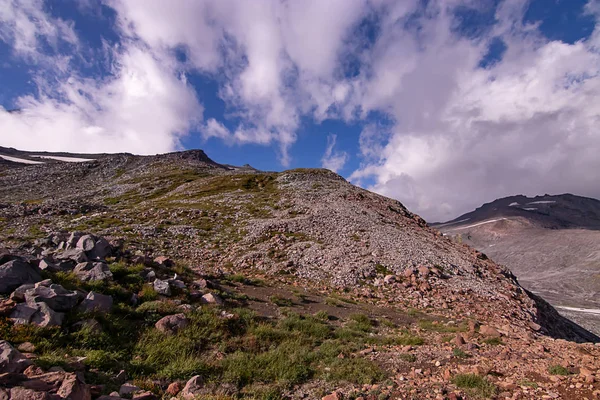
{"x": 6, "y": 307}
{"x": 174, "y": 388}
{"x": 192, "y": 388}
{"x": 162, "y": 287}
{"x": 176, "y": 283}
{"x": 488, "y": 331}
{"x": 16, "y": 273}
{"x": 172, "y": 323}
{"x": 55, "y": 296}
{"x": 73, "y": 239}
{"x": 96, "y": 302}
{"x": 76, "y": 255}
{"x": 145, "y": 396}
{"x": 21, "y": 393}
{"x": 164, "y": 261}
{"x": 101, "y": 250}
{"x": 26, "y": 347}
{"x": 92, "y": 271}
{"x": 11, "y": 359}
{"x": 86, "y": 243}
{"x": 74, "y": 388}
{"x": 19, "y": 294}
{"x": 210, "y": 298}
{"x": 38, "y": 314}
{"x": 128, "y": 389}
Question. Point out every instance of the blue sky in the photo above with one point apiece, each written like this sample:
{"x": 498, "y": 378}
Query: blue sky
{"x": 441, "y": 104}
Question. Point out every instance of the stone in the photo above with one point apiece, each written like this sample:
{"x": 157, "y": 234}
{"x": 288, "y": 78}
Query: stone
{"x": 4, "y": 395}
{"x": 86, "y": 242}
{"x": 21, "y": 393}
{"x": 150, "y": 276}
{"x": 389, "y": 279}
{"x": 176, "y": 283}
{"x": 92, "y": 271}
{"x": 332, "y": 396}
{"x": 459, "y": 340}
{"x": 145, "y": 396}
{"x": 45, "y": 283}
{"x": 22, "y": 314}
{"x": 210, "y": 298}
{"x": 127, "y": 389}
{"x": 174, "y": 388}
{"x": 534, "y": 326}
{"x": 55, "y": 296}
{"x": 19, "y": 294}
{"x": 101, "y": 250}
{"x": 45, "y": 316}
{"x": 76, "y": 255}
{"x": 164, "y": 261}
{"x": 162, "y": 287}
{"x": 172, "y": 323}
{"x": 26, "y": 347}
{"x": 16, "y": 273}
{"x": 11, "y": 359}
{"x": 73, "y": 239}
{"x": 6, "y": 307}
{"x": 192, "y": 388}
{"x": 423, "y": 271}
{"x": 488, "y": 331}
{"x": 47, "y": 265}
{"x": 408, "y": 272}
{"x": 96, "y": 302}
{"x": 74, "y": 388}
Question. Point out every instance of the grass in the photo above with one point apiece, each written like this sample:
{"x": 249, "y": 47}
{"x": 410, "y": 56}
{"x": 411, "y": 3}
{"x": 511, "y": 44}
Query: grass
{"x": 493, "y": 341}
{"x": 475, "y": 385}
{"x": 281, "y": 301}
{"x": 558, "y": 370}
{"x": 459, "y": 353}
{"x": 438, "y": 326}
{"x": 528, "y": 383}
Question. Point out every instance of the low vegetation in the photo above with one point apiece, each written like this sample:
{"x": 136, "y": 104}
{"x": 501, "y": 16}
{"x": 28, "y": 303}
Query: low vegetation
{"x": 475, "y": 385}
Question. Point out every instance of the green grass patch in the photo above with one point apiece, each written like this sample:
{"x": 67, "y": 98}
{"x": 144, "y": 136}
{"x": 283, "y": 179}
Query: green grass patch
{"x": 558, "y": 370}
{"x": 493, "y": 341}
{"x": 475, "y": 385}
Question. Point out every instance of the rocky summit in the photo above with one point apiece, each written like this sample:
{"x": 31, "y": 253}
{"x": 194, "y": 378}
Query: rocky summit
{"x": 173, "y": 276}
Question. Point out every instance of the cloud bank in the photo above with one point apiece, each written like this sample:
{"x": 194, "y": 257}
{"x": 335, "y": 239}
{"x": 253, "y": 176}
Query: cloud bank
{"x": 463, "y": 124}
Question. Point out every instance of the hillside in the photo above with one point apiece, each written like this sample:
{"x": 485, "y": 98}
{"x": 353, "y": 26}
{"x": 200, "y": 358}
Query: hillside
{"x": 552, "y": 243}
{"x": 273, "y": 285}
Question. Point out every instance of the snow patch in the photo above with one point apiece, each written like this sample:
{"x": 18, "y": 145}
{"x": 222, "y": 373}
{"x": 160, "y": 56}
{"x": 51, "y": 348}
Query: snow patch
{"x": 543, "y": 202}
{"x": 514, "y": 204}
{"x": 66, "y": 159}
{"x": 20, "y": 160}
{"x": 529, "y": 209}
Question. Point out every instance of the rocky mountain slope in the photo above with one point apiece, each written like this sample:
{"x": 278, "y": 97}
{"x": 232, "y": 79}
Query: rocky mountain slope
{"x": 552, "y": 243}
{"x": 200, "y": 280}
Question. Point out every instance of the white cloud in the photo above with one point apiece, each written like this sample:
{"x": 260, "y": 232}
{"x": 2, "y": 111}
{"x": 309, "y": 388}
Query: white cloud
{"x": 333, "y": 159}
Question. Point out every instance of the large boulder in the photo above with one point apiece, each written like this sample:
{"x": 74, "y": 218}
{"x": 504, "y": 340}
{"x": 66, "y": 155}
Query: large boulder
{"x": 47, "y": 264}
{"x": 86, "y": 243}
{"x": 172, "y": 323}
{"x": 38, "y": 314}
{"x": 19, "y": 294}
{"x": 55, "y": 296}
{"x": 16, "y": 273}
{"x": 96, "y": 302}
{"x": 101, "y": 250}
{"x": 11, "y": 359}
{"x": 92, "y": 271}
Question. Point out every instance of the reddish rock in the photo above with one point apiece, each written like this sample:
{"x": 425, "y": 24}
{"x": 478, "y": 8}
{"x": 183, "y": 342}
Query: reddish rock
{"x": 459, "y": 340}
{"x": 174, "y": 388}
{"x": 74, "y": 388}
{"x": 21, "y": 393}
{"x": 145, "y": 396}
{"x": 192, "y": 387}
{"x": 332, "y": 396}
{"x": 488, "y": 331}
{"x": 6, "y": 307}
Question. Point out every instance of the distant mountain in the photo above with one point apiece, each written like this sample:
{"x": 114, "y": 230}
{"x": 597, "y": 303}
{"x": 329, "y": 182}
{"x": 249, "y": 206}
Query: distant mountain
{"x": 547, "y": 211}
{"x": 551, "y": 242}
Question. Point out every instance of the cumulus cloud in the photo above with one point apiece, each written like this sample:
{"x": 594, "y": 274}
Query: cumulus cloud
{"x": 457, "y": 128}
{"x": 333, "y": 159}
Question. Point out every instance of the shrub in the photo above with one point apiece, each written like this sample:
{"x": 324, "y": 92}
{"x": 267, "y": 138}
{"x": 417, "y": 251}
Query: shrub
{"x": 353, "y": 370}
{"x": 494, "y": 341}
{"x": 475, "y": 385}
{"x": 558, "y": 370}
{"x": 280, "y": 301}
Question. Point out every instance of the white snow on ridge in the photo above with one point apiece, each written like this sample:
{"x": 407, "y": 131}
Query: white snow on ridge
{"x": 477, "y": 224}
{"x": 543, "y": 202}
{"x": 20, "y": 160}
{"x": 582, "y": 310}
{"x": 514, "y": 204}
{"x": 65, "y": 159}
{"x": 529, "y": 209}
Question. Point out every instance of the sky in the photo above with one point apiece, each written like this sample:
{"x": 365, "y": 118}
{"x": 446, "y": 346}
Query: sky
{"x": 441, "y": 104}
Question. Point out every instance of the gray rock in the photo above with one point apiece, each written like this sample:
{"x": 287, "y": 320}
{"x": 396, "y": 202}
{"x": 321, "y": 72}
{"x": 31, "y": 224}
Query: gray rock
{"x": 47, "y": 265}
{"x": 19, "y": 294}
{"x": 176, "y": 283}
{"x": 55, "y": 296}
{"x": 172, "y": 323}
{"x": 73, "y": 239}
{"x": 45, "y": 316}
{"x": 389, "y": 279}
{"x": 151, "y": 276}
{"x": 11, "y": 359}
{"x": 74, "y": 388}
{"x": 16, "y": 273}
{"x": 76, "y": 255}
{"x": 38, "y": 314}
{"x": 192, "y": 388}
{"x": 86, "y": 242}
{"x": 162, "y": 287}
{"x": 101, "y": 250}
{"x": 21, "y": 393}
{"x": 92, "y": 271}
{"x": 45, "y": 282}
{"x": 210, "y": 298}
{"x": 96, "y": 302}
{"x": 128, "y": 389}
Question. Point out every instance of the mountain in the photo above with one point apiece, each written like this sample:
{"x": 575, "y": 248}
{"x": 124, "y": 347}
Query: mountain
{"x": 176, "y": 275}
{"x": 551, "y": 243}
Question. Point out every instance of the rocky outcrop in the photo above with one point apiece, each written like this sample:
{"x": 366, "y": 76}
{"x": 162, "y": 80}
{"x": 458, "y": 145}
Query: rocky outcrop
{"x": 92, "y": 271}
{"x": 55, "y": 296}
{"x": 11, "y": 359}
{"x": 96, "y": 302}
